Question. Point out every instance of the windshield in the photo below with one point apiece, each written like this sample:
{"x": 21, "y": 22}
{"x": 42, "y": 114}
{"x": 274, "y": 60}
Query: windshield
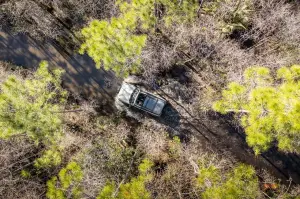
{"x": 140, "y": 99}
{"x": 134, "y": 95}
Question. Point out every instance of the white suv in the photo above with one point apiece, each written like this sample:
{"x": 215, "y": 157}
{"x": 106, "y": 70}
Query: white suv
{"x": 133, "y": 96}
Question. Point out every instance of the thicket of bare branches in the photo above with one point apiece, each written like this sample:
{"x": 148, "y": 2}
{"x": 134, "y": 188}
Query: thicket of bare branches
{"x": 270, "y": 39}
{"x": 7, "y": 68}
{"x": 28, "y": 17}
{"x": 17, "y": 155}
{"x": 157, "y": 56}
{"x": 176, "y": 164}
{"x": 44, "y": 19}
{"x": 274, "y": 31}
{"x": 108, "y": 152}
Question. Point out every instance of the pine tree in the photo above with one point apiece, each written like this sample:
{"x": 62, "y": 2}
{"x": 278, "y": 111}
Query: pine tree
{"x": 141, "y": 10}
{"x": 29, "y": 106}
{"x": 179, "y": 11}
{"x": 269, "y": 107}
{"x": 114, "y": 45}
{"x": 50, "y": 157}
{"x": 174, "y": 11}
{"x": 135, "y": 189}
{"x": 66, "y": 184}
{"x": 241, "y": 182}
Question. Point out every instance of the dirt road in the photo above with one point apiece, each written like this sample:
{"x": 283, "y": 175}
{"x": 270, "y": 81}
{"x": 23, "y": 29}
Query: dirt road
{"x": 81, "y": 75}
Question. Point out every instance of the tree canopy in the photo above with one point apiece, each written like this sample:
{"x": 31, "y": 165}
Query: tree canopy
{"x": 269, "y": 106}
{"x": 135, "y": 189}
{"x": 113, "y": 44}
{"x": 241, "y": 182}
{"x": 66, "y": 184}
{"x": 31, "y": 106}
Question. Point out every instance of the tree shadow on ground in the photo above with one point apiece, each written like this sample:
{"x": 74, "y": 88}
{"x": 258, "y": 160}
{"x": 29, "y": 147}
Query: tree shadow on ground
{"x": 81, "y": 76}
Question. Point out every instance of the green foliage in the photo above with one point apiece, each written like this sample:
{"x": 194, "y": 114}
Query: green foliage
{"x": 211, "y": 172}
{"x": 29, "y": 106}
{"x": 145, "y": 166}
{"x": 141, "y": 11}
{"x": 241, "y": 182}
{"x": 179, "y": 11}
{"x": 173, "y": 12}
{"x": 233, "y": 15}
{"x": 113, "y": 44}
{"x": 108, "y": 191}
{"x": 52, "y": 191}
{"x": 67, "y": 183}
{"x": 174, "y": 147}
{"x": 233, "y": 98}
{"x": 25, "y": 174}
{"x": 271, "y": 107}
{"x": 239, "y": 18}
{"x": 135, "y": 189}
{"x": 50, "y": 157}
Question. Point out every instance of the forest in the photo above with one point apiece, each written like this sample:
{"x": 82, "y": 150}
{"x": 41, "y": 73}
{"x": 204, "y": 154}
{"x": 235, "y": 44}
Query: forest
{"x": 229, "y": 71}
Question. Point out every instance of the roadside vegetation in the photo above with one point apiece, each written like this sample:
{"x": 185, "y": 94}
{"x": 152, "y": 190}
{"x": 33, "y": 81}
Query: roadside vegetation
{"x": 223, "y": 65}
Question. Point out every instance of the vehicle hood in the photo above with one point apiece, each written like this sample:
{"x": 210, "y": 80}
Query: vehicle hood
{"x": 125, "y": 92}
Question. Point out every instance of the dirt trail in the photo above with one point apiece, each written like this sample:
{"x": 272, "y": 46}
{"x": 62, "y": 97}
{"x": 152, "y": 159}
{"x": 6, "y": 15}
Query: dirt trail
{"x": 81, "y": 75}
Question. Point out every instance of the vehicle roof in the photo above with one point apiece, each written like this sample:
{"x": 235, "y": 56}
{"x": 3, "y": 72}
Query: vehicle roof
{"x": 125, "y": 92}
{"x": 153, "y": 103}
